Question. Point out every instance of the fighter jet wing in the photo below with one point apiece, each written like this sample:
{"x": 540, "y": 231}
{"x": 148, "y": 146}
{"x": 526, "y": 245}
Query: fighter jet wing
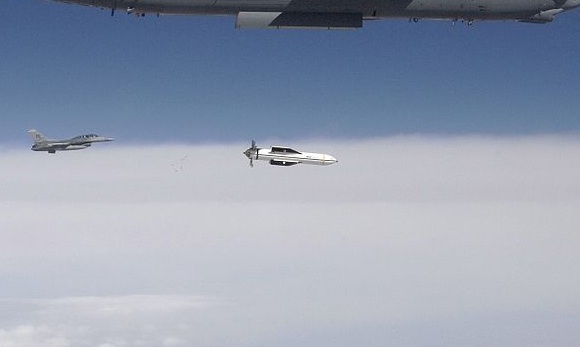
{"x": 57, "y": 145}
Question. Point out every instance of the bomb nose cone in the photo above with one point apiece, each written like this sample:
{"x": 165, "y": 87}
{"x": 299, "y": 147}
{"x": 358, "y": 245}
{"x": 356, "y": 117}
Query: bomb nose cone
{"x": 328, "y": 160}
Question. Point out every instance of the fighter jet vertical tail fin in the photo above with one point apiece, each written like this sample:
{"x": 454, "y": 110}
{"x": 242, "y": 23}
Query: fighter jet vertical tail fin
{"x": 36, "y": 136}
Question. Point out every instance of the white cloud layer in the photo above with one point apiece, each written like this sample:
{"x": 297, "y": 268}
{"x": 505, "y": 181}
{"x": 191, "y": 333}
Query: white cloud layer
{"x": 411, "y": 241}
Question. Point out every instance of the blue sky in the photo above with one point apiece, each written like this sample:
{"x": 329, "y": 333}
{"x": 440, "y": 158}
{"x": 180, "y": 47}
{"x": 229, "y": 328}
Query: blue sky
{"x": 71, "y": 69}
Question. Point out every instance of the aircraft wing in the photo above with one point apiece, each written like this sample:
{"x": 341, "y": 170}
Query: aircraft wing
{"x": 57, "y": 145}
{"x": 341, "y": 14}
{"x": 63, "y": 146}
{"x": 96, "y": 3}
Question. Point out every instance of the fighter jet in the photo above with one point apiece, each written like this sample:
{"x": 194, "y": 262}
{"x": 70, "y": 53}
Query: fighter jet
{"x": 41, "y": 143}
{"x": 285, "y": 156}
{"x": 343, "y": 13}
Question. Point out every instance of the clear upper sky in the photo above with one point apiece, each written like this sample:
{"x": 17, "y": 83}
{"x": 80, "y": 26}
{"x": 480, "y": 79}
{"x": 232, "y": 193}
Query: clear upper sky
{"x": 68, "y": 69}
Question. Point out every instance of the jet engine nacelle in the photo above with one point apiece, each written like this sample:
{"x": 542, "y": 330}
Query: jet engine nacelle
{"x": 570, "y": 4}
{"x": 544, "y": 16}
